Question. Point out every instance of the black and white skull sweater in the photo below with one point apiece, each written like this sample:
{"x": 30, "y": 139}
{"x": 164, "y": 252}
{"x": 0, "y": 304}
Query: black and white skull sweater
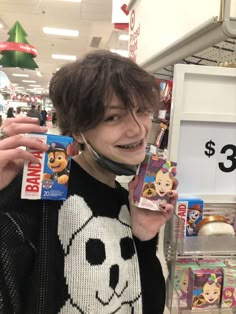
{"x": 76, "y": 256}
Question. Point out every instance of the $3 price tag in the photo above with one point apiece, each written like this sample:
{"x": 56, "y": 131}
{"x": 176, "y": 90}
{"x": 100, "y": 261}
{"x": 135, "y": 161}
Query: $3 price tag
{"x": 229, "y": 150}
{"x": 207, "y": 159}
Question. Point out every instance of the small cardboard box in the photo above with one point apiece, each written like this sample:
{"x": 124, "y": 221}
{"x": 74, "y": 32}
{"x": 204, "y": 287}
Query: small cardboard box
{"x": 47, "y": 179}
{"x": 156, "y": 178}
{"x": 181, "y": 279}
{"x": 204, "y": 288}
{"x": 190, "y": 211}
{"x": 229, "y": 288}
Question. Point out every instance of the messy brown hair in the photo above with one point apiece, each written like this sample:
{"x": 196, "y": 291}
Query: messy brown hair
{"x": 81, "y": 90}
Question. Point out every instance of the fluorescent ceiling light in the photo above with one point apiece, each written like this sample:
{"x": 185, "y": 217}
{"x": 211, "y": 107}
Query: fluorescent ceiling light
{"x": 21, "y": 75}
{"x": 34, "y": 85}
{"x": 39, "y": 73}
{"x": 28, "y": 81}
{"x": 124, "y": 37}
{"x": 73, "y": 1}
{"x": 60, "y": 31}
{"x": 123, "y": 53}
{"x": 64, "y": 57}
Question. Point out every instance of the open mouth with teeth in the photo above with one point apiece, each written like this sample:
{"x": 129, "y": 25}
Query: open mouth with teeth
{"x": 131, "y": 147}
{"x": 55, "y": 167}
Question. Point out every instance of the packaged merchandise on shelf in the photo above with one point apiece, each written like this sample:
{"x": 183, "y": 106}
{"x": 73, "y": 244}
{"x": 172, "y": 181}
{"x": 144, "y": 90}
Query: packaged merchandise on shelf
{"x": 181, "y": 279}
{"x": 204, "y": 288}
{"x": 214, "y": 225}
{"x": 48, "y": 178}
{"x": 160, "y": 133}
{"x": 212, "y": 263}
{"x": 230, "y": 262}
{"x": 190, "y": 211}
{"x": 156, "y": 178}
{"x": 228, "y": 299}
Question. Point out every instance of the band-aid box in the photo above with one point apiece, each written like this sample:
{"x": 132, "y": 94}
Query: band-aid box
{"x": 156, "y": 177}
{"x": 48, "y": 179}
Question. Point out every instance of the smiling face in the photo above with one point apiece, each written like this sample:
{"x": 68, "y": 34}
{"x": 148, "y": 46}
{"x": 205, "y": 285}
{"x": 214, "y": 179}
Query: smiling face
{"x": 163, "y": 183}
{"x": 122, "y": 135}
{"x": 211, "y": 292}
{"x": 57, "y": 161}
{"x": 193, "y": 215}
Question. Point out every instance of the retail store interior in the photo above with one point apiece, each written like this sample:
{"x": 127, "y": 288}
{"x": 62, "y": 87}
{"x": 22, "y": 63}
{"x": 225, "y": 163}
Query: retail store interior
{"x": 195, "y": 128}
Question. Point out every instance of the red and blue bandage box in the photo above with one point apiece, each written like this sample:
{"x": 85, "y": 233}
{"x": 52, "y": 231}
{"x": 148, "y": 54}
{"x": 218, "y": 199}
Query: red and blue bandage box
{"x": 190, "y": 211}
{"x": 48, "y": 179}
{"x": 156, "y": 177}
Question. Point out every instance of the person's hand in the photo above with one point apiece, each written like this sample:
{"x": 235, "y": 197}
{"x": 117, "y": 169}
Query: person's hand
{"x": 12, "y": 157}
{"x": 146, "y": 223}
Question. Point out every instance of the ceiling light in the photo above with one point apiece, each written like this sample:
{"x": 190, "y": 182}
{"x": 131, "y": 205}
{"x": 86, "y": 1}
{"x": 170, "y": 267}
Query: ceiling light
{"x": 60, "y": 31}
{"x": 2, "y": 24}
{"x": 124, "y": 37}
{"x": 28, "y": 81}
{"x": 39, "y": 73}
{"x": 73, "y": 0}
{"x": 34, "y": 85}
{"x": 123, "y": 53}
{"x": 21, "y": 75}
{"x": 64, "y": 57}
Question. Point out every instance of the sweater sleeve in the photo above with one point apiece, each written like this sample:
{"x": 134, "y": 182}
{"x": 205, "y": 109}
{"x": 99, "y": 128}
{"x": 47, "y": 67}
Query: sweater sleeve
{"x": 152, "y": 279}
{"x": 16, "y": 255}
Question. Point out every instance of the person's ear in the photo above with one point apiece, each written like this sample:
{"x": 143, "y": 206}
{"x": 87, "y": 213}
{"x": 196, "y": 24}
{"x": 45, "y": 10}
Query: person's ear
{"x": 78, "y": 137}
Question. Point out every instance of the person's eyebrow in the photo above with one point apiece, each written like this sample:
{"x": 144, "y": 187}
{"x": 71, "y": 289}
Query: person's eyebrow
{"x": 115, "y": 106}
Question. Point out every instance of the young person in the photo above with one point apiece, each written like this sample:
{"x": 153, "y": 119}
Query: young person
{"x": 94, "y": 252}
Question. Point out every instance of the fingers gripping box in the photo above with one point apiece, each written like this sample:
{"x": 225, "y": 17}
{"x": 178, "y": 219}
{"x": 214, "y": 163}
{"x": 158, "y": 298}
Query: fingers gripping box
{"x": 156, "y": 178}
{"x": 48, "y": 178}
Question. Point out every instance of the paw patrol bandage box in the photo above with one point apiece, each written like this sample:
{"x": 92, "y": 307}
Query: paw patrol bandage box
{"x": 156, "y": 179}
{"x": 48, "y": 178}
{"x": 190, "y": 211}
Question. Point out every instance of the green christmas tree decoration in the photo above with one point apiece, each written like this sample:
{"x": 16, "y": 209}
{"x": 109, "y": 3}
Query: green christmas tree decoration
{"x": 16, "y": 51}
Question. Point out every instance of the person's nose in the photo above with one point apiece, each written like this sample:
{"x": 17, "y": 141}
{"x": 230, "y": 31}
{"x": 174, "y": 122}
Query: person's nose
{"x": 133, "y": 124}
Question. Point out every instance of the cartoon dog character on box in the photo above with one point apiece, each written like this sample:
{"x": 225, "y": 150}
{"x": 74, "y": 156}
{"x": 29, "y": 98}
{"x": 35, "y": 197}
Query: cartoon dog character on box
{"x": 193, "y": 217}
{"x": 58, "y": 163}
{"x": 149, "y": 190}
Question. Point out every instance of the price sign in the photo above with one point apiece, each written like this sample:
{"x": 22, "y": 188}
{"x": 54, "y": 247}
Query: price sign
{"x": 207, "y": 158}
{"x": 232, "y": 157}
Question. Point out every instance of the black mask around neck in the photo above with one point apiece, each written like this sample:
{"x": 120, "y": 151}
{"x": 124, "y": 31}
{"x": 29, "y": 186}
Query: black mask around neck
{"x": 110, "y": 165}
{"x": 115, "y": 167}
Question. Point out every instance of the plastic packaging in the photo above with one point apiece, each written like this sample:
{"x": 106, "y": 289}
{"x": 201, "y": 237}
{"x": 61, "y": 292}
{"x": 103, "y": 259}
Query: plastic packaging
{"x": 214, "y": 225}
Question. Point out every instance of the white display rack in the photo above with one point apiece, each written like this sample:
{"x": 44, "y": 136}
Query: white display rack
{"x": 179, "y": 246}
{"x": 176, "y": 246}
{"x": 176, "y": 309}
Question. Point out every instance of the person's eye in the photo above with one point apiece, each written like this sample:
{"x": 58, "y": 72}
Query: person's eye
{"x": 112, "y": 118}
{"x": 144, "y": 111}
